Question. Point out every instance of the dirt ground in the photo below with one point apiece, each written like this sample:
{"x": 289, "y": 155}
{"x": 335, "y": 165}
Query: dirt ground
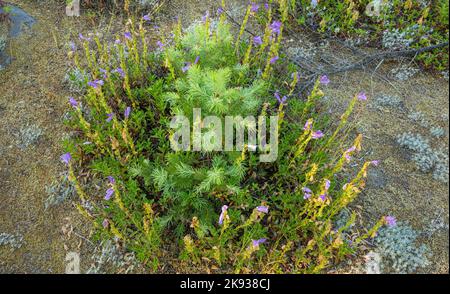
{"x": 32, "y": 92}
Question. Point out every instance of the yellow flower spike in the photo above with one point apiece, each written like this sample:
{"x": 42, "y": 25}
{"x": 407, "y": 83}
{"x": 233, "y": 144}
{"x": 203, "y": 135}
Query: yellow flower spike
{"x": 310, "y": 175}
{"x": 115, "y": 231}
{"x": 248, "y": 53}
{"x": 243, "y": 26}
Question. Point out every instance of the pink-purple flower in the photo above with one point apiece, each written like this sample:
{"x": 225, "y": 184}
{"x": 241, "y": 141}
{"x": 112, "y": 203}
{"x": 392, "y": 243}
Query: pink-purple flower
{"x": 390, "y": 221}
{"x": 307, "y": 193}
{"x": 280, "y": 100}
{"x": 257, "y": 40}
{"x": 274, "y": 59}
{"x": 96, "y": 83}
{"x": 160, "y": 45}
{"x": 308, "y": 125}
{"x": 258, "y": 242}
{"x": 146, "y": 17}
{"x": 73, "y": 102}
{"x": 120, "y": 71}
{"x": 324, "y": 80}
{"x": 128, "y": 35}
{"x": 255, "y": 7}
{"x": 110, "y": 116}
{"x": 105, "y": 223}
{"x": 109, "y": 194}
{"x": 362, "y": 96}
{"x": 276, "y": 27}
{"x": 222, "y": 214}
{"x": 317, "y": 135}
{"x": 263, "y": 209}
{"x": 375, "y": 162}
{"x": 111, "y": 180}
{"x": 127, "y": 112}
{"x": 66, "y": 158}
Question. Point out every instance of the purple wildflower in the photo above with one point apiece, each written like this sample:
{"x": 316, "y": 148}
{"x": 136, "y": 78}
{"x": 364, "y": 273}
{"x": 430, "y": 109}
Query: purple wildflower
{"x": 146, "y": 17}
{"x": 104, "y": 72}
{"x": 266, "y": 6}
{"x": 73, "y": 102}
{"x": 220, "y": 10}
{"x": 324, "y": 80}
{"x": 276, "y": 27}
{"x": 66, "y": 158}
{"x": 362, "y": 96}
{"x": 120, "y": 71}
{"x": 317, "y": 135}
{"x": 128, "y": 35}
{"x": 160, "y": 45}
{"x": 117, "y": 42}
{"x": 257, "y": 40}
{"x": 347, "y": 153}
{"x": 186, "y": 67}
{"x": 307, "y": 193}
{"x": 280, "y": 100}
{"x": 127, "y": 112}
{"x": 197, "y": 59}
{"x": 323, "y": 197}
{"x": 109, "y": 193}
{"x": 263, "y": 209}
{"x": 390, "y": 221}
{"x": 96, "y": 83}
{"x": 205, "y": 16}
{"x": 255, "y": 7}
{"x": 105, "y": 223}
{"x": 375, "y": 162}
{"x": 258, "y": 242}
{"x": 110, "y": 117}
{"x": 111, "y": 180}
{"x": 308, "y": 125}
{"x": 274, "y": 59}
{"x": 83, "y": 38}
{"x": 327, "y": 184}
{"x": 222, "y": 214}
{"x": 72, "y": 45}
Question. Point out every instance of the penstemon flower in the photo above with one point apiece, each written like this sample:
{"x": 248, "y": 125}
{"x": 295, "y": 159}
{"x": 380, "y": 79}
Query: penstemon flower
{"x": 220, "y": 10}
{"x": 109, "y": 194}
{"x": 263, "y": 209}
{"x": 127, "y": 112}
{"x": 73, "y": 102}
{"x": 96, "y": 83}
{"x": 105, "y": 223}
{"x": 160, "y": 45}
{"x": 390, "y": 221}
{"x": 66, "y": 158}
{"x": 146, "y": 17}
{"x": 276, "y": 27}
{"x": 274, "y": 59}
{"x": 362, "y": 96}
{"x": 120, "y": 71}
{"x": 280, "y": 100}
{"x": 308, "y": 125}
{"x": 255, "y": 7}
{"x": 111, "y": 180}
{"x": 257, "y": 40}
{"x": 375, "y": 162}
{"x": 317, "y": 135}
{"x": 258, "y": 242}
{"x": 307, "y": 193}
{"x": 223, "y": 214}
{"x": 186, "y": 67}
{"x": 128, "y": 35}
{"x": 324, "y": 80}
{"x": 110, "y": 117}
{"x": 83, "y": 38}
{"x": 197, "y": 59}
{"x": 348, "y": 152}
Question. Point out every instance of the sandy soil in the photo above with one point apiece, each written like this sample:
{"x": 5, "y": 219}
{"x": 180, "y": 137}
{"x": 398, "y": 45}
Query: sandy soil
{"x": 32, "y": 92}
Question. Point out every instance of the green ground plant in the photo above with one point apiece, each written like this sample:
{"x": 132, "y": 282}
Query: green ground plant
{"x": 213, "y": 209}
{"x": 412, "y": 23}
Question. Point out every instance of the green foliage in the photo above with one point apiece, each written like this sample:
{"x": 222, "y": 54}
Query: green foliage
{"x": 426, "y": 23}
{"x": 215, "y": 209}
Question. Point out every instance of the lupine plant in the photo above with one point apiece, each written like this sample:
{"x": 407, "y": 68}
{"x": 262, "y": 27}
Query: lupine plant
{"x": 222, "y": 210}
